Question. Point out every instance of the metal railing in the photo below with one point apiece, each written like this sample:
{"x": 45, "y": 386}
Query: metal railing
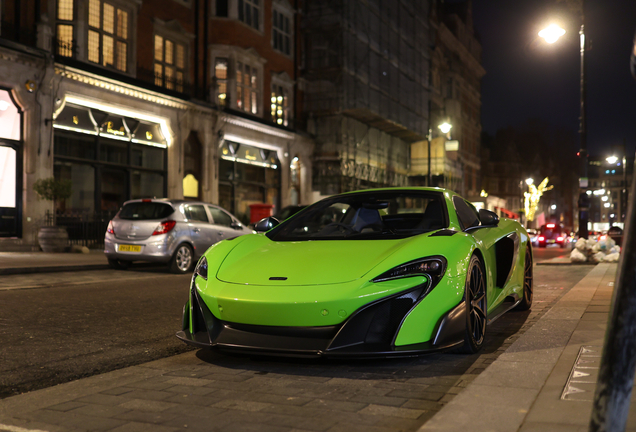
{"x": 84, "y": 228}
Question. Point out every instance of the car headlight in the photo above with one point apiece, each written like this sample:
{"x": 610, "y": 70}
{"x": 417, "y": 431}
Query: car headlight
{"x": 202, "y": 268}
{"x": 432, "y": 267}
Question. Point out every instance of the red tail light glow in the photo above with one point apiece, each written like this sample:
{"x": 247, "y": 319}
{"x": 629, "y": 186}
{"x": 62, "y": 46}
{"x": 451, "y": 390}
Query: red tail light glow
{"x": 550, "y": 225}
{"x": 110, "y": 229}
{"x": 164, "y": 227}
{"x": 541, "y": 238}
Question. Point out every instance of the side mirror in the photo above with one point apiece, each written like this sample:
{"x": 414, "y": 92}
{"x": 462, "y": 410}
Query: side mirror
{"x": 236, "y": 225}
{"x": 266, "y": 224}
{"x": 488, "y": 218}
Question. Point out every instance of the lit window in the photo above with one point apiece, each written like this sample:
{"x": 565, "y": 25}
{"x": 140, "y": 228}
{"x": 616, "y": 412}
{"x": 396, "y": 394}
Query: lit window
{"x": 169, "y": 63}
{"x": 65, "y": 28}
{"x": 246, "y": 88}
{"x": 281, "y": 33}
{"x": 108, "y": 35}
{"x": 220, "y": 73}
{"x": 279, "y": 104}
{"x": 248, "y": 11}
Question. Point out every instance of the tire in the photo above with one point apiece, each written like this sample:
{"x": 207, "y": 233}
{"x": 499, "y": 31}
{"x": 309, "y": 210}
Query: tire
{"x": 118, "y": 264}
{"x": 476, "y": 307}
{"x": 528, "y": 289}
{"x": 182, "y": 259}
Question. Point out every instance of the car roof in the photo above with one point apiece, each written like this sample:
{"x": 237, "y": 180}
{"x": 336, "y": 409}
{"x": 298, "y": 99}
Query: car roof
{"x": 172, "y": 201}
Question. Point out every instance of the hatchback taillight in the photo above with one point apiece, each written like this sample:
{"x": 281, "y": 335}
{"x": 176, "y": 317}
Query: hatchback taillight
{"x": 110, "y": 229}
{"x": 164, "y": 227}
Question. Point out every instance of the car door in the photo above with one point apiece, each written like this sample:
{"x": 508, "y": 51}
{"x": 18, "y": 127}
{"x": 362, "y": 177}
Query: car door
{"x": 223, "y": 223}
{"x": 201, "y": 230}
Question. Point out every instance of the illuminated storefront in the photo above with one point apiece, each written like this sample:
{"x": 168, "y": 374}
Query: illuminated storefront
{"x": 109, "y": 158}
{"x": 10, "y": 166}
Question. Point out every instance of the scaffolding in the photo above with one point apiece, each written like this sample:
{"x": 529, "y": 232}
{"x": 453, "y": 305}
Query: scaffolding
{"x": 366, "y": 66}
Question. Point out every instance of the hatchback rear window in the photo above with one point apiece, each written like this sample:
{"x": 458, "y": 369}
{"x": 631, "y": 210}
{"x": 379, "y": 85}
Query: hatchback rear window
{"x": 145, "y": 211}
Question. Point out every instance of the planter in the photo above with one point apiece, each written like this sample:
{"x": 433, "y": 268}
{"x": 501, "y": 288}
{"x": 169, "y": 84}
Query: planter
{"x": 53, "y": 238}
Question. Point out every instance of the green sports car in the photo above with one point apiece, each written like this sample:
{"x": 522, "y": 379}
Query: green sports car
{"x": 379, "y": 272}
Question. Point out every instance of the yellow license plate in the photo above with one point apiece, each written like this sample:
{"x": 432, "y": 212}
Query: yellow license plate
{"x": 129, "y": 248}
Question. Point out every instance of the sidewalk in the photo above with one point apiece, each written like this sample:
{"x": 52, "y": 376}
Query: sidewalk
{"x": 41, "y": 262}
{"x": 543, "y": 382}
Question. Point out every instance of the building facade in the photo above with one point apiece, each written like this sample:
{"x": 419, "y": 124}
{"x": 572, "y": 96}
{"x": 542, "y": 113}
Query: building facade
{"x": 169, "y": 98}
{"x": 453, "y": 157}
{"x": 365, "y": 72}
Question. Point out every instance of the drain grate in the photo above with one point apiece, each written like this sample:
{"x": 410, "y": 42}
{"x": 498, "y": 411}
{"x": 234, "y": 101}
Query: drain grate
{"x": 582, "y": 380}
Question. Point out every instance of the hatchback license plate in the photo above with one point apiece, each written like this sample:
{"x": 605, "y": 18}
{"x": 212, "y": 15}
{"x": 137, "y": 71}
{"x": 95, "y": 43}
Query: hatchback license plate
{"x": 129, "y": 248}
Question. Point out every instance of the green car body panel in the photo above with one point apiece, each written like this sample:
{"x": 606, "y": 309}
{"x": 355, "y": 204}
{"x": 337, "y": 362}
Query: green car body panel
{"x": 328, "y": 281}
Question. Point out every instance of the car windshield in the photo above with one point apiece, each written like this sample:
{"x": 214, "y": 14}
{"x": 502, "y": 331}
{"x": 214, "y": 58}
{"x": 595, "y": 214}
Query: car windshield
{"x": 145, "y": 211}
{"x": 366, "y": 216}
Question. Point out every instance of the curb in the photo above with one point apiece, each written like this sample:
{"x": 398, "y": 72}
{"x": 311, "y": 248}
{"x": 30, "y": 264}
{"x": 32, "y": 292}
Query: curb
{"x": 51, "y": 269}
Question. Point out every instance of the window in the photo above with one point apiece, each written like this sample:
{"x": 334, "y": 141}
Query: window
{"x": 169, "y": 63}
{"x": 196, "y": 213}
{"x": 248, "y": 12}
{"x": 221, "y": 8}
{"x": 281, "y": 33}
{"x": 246, "y": 88}
{"x": 108, "y": 36}
{"x": 219, "y": 217}
{"x": 466, "y": 212}
{"x": 65, "y": 17}
{"x": 220, "y": 75}
{"x": 280, "y": 105}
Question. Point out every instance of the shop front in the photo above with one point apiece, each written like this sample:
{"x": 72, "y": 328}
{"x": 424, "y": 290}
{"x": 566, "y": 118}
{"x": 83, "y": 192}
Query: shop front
{"x": 10, "y": 166}
{"x": 109, "y": 158}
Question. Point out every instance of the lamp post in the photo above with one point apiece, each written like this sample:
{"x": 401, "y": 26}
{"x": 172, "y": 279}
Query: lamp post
{"x": 445, "y": 128}
{"x": 551, "y": 34}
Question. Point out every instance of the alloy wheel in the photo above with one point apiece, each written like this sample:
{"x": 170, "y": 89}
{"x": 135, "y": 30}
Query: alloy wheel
{"x": 477, "y": 304}
{"x": 183, "y": 258}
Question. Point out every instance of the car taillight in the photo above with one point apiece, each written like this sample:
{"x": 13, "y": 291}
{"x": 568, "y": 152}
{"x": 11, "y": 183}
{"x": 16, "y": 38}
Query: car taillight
{"x": 559, "y": 238}
{"x": 541, "y": 238}
{"x": 164, "y": 227}
{"x": 110, "y": 229}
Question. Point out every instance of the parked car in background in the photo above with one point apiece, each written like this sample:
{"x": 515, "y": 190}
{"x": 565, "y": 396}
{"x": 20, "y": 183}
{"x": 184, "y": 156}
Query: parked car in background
{"x": 616, "y": 234}
{"x": 552, "y": 233}
{"x": 533, "y": 234}
{"x": 175, "y": 232}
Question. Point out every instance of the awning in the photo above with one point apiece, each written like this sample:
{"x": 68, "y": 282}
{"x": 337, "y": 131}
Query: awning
{"x": 507, "y": 213}
{"x": 77, "y": 119}
{"x": 247, "y": 154}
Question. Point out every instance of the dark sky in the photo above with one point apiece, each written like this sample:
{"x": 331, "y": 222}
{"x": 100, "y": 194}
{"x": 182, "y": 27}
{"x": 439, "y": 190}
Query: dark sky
{"x": 525, "y": 77}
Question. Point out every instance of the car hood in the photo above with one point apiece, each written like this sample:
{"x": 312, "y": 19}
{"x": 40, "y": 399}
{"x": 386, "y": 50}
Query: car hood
{"x": 257, "y": 260}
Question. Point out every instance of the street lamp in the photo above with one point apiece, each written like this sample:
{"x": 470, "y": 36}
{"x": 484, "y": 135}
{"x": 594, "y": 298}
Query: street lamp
{"x": 529, "y": 181}
{"x": 551, "y": 34}
{"x": 445, "y": 129}
{"x": 612, "y": 160}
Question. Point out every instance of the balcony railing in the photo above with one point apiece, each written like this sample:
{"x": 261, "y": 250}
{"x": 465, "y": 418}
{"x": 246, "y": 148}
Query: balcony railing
{"x": 84, "y": 228}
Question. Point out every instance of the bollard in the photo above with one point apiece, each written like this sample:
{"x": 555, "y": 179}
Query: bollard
{"x": 618, "y": 360}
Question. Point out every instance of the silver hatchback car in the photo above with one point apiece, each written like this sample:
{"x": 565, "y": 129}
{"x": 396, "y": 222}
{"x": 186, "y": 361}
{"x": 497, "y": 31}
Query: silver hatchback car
{"x": 175, "y": 232}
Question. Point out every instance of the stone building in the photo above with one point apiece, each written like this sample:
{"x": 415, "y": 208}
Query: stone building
{"x": 161, "y": 98}
{"x": 456, "y": 72}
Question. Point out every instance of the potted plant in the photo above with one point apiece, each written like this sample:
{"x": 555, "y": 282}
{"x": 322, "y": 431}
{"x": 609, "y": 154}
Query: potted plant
{"x": 53, "y": 238}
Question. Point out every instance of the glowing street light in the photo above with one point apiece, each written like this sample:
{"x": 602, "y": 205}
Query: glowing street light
{"x": 552, "y": 33}
{"x": 445, "y": 127}
{"x": 529, "y": 181}
{"x": 612, "y": 160}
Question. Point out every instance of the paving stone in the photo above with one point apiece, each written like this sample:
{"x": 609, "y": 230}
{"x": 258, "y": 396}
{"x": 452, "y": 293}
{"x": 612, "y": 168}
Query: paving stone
{"x": 143, "y": 427}
{"x": 431, "y": 396}
{"x": 423, "y": 405}
{"x": 391, "y": 411}
{"x": 66, "y": 406}
{"x": 147, "y": 405}
{"x": 102, "y": 399}
{"x": 149, "y": 394}
{"x": 94, "y": 410}
{"x": 154, "y": 418}
{"x": 241, "y": 405}
{"x": 193, "y": 399}
{"x": 188, "y": 381}
{"x": 335, "y": 405}
{"x": 189, "y": 390}
{"x": 253, "y": 427}
{"x": 289, "y": 410}
{"x": 378, "y": 400}
{"x": 117, "y": 391}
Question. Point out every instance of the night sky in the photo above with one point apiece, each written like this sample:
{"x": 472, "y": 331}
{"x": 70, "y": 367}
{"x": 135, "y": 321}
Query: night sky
{"x": 527, "y": 78}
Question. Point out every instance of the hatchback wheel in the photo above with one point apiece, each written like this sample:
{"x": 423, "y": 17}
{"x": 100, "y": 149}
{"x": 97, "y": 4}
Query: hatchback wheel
{"x": 182, "y": 259}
